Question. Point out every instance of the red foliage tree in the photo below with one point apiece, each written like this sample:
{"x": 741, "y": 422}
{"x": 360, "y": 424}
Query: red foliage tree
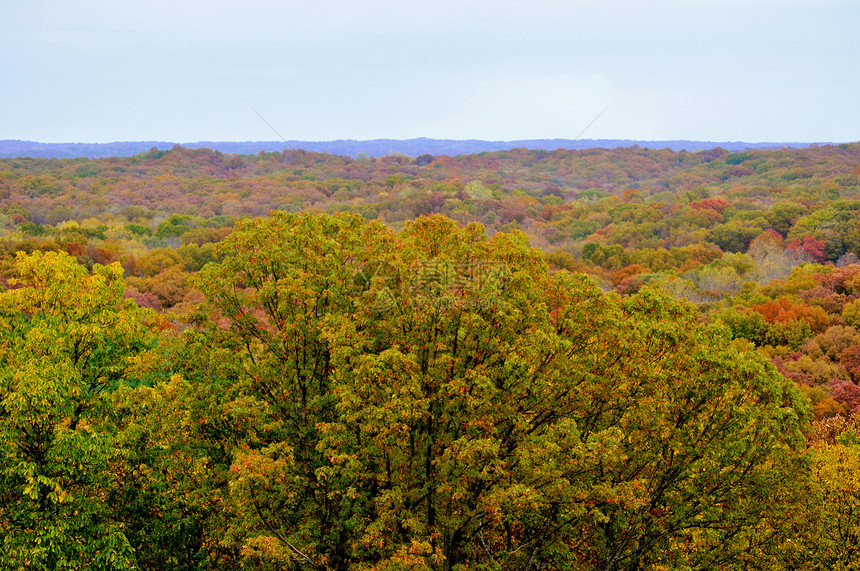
{"x": 784, "y": 310}
{"x": 717, "y": 203}
{"x": 850, "y": 359}
{"x": 810, "y": 248}
{"x": 845, "y": 392}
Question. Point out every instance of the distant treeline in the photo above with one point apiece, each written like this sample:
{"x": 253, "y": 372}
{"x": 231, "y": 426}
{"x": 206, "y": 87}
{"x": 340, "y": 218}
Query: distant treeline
{"x": 372, "y": 148}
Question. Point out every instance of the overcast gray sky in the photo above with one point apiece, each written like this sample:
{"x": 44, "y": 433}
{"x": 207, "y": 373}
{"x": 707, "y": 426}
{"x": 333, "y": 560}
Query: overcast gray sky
{"x": 719, "y": 70}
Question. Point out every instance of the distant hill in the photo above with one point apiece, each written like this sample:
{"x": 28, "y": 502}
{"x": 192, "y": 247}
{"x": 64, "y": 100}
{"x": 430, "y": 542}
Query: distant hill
{"x": 373, "y": 148}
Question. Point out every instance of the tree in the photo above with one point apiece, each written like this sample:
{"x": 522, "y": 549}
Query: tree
{"x": 783, "y": 215}
{"x": 435, "y": 399}
{"x": 808, "y": 248}
{"x": 179, "y": 438}
{"x": 851, "y": 313}
{"x": 285, "y": 282}
{"x": 827, "y": 509}
{"x": 734, "y": 236}
{"x": 786, "y": 311}
{"x": 772, "y": 261}
{"x": 68, "y": 339}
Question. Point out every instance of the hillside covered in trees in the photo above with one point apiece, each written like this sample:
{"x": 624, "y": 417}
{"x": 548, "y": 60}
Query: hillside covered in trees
{"x": 600, "y": 359}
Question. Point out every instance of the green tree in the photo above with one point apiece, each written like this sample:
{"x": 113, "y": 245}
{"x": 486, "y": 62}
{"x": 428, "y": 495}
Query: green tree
{"x": 783, "y": 215}
{"x": 68, "y": 339}
{"x": 851, "y": 313}
{"x": 284, "y": 283}
{"x": 179, "y": 439}
{"x": 825, "y": 517}
{"x": 434, "y": 399}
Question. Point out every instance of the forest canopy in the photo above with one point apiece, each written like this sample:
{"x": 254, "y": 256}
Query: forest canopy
{"x": 606, "y": 359}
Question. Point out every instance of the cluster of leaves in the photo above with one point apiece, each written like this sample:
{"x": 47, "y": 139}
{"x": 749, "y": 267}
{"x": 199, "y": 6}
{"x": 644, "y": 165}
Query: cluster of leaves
{"x": 68, "y": 339}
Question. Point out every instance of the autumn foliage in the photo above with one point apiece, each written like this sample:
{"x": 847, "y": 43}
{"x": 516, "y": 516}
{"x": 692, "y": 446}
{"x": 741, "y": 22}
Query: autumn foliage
{"x": 600, "y": 359}
{"x": 784, "y": 311}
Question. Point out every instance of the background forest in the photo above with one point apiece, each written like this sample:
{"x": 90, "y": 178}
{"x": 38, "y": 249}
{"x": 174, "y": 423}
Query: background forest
{"x": 595, "y": 359}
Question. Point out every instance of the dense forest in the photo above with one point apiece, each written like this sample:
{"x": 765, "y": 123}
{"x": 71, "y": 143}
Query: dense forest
{"x": 577, "y": 359}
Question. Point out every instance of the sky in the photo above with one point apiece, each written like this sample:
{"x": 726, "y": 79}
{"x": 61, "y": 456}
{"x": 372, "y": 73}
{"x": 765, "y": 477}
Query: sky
{"x": 250, "y": 70}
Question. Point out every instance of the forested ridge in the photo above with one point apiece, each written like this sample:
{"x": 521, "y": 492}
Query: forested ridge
{"x": 601, "y": 359}
{"x": 353, "y": 148}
